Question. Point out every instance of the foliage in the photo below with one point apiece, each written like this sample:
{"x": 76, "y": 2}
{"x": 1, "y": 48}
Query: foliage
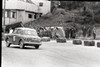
{"x": 70, "y": 11}
{"x": 70, "y": 5}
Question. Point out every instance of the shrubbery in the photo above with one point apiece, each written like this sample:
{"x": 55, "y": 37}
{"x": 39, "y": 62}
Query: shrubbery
{"x": 71, "y": 15}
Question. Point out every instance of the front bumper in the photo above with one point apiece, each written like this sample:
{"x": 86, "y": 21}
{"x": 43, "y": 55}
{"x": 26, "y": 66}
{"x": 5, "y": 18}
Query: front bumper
{"x": 32, "y": 43}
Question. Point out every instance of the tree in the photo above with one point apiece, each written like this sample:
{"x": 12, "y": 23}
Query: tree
{"x": 70, "y": 5}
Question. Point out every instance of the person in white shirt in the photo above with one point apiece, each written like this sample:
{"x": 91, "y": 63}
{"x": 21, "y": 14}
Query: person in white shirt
{"x": 11, "y": 30}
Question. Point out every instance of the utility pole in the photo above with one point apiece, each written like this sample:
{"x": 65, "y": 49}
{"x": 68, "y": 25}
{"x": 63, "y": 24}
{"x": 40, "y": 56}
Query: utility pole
{"x": 4, "y": 13}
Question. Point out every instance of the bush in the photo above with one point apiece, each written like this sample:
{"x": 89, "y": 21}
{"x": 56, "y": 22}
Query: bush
{"x": 97, "y": 18}
{"x": 45, "y": 34}
{"x": 45, "y": 39}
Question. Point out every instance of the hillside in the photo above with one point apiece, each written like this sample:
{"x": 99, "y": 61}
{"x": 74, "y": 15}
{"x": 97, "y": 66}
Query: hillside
{"x": 74, "y": 14}
{"x": 59, "y": 18}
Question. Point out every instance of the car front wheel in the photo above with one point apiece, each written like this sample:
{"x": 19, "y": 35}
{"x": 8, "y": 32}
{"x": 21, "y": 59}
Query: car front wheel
{"x": 8, "y": 43}
{"x": 37, "y": 46}
{"x": 21, "y": 44}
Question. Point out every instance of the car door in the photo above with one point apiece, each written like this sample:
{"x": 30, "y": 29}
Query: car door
{"x": 13, "y": 36}
{"x": 9, "y": 36}
{"x": 17, "y": 37}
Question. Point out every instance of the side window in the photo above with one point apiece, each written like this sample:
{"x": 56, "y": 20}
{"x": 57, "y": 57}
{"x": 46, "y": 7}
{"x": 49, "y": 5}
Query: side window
{"x": 15, "y": 31}
{"x": 19, "y": 32}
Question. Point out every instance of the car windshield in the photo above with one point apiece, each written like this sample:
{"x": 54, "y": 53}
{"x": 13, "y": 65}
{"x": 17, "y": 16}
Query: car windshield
{"x": 30, "y": 32}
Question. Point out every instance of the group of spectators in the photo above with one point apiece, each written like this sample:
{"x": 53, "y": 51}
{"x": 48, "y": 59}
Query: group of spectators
{"x": 69, "y": 33}
{"x": 89, "y": 32}
{"x": 52, "y": 32}
{"x": 86, "y": 32}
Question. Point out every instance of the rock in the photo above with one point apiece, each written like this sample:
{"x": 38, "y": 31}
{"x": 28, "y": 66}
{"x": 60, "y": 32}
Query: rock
{"x": 77, "y": 42}
{"x": 61, "y": 40}
{"x": 89, "y": 43}
{"x": 98, "y": 44}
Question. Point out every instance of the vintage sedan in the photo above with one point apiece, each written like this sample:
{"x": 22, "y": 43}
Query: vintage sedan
{"x": 23, "y": 36}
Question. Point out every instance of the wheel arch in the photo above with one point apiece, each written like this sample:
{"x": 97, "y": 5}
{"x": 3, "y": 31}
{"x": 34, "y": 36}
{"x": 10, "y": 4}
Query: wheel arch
{"x": 20, "y": 40}
{"x": 6, "y": 38}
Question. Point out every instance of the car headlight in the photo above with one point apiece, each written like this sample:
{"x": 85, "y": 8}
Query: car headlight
{"x": 26, "y": 39}
{"x": 40, "y": 40}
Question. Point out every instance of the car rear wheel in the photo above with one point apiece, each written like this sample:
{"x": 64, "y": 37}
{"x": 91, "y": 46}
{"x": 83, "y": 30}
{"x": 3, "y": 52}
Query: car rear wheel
{"x": 21, "y": 44}
{"x": 37, "y": 46}
{"x": 8, "y": 43}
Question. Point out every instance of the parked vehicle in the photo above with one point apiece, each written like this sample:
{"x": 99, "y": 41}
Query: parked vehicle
{"x": 23, "y": 36}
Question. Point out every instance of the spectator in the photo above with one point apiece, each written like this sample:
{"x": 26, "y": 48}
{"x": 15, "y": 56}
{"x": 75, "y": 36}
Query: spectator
{"x": 67, "y": 32}
{"x": 79, "y": 34}
{"x": 73, "y": 35}
{"x": 41, "y": 32}
{"x": 94, "y": 32}
{"x": 57, "y": 34}
{"x": 89, "y": 32}
{"x": 84, "y": 31}
{"x": 10, "y": 30}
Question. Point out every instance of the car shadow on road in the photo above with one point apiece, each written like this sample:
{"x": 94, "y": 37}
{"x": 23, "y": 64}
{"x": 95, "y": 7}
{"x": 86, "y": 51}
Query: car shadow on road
{"x": 26, "y": 48}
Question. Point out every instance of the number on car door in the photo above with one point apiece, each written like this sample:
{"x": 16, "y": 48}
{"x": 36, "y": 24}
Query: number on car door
{"x": 14, "y": 38}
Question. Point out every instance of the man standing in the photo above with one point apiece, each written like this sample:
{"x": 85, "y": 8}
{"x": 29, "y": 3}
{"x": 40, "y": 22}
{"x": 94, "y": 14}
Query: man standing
{"x": 84, "y": 31}
{"x": 94, "y": 32}
{"x": 10, "y": 30}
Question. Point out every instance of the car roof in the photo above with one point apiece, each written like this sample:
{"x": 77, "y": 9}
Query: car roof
{"x": 25, "y": 28}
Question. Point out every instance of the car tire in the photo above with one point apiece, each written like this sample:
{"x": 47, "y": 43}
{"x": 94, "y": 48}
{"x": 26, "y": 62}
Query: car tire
{"x": 37, "y": 47}
{"x": 8, "y": 43}
{"x": 21, "y": 44}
